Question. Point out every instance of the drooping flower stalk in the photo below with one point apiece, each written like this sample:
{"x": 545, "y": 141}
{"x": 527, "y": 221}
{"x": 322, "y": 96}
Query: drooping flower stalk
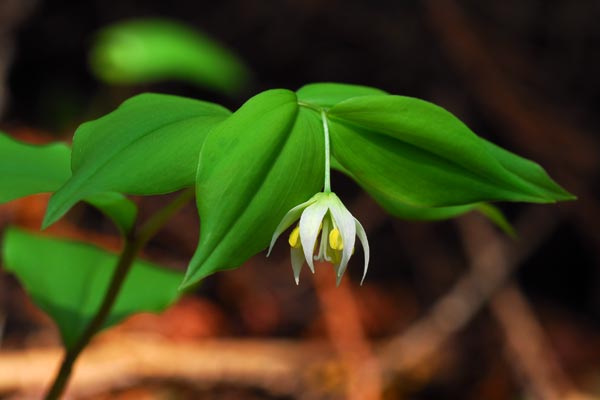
{"x": 327, "y": 183}
{"x": 323, "y": 214}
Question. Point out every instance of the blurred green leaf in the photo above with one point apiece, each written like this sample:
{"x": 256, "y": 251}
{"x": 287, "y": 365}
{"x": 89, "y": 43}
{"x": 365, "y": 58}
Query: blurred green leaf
{"x": 328, "y": 94}
{"x": 150, "y": 50}
{"x": 497, "y": 217}
{"x": 265, "y": 159}
{"x": 149, "y": 145}
{"x": 415, "y": 153}
{"x": 27, "y": 169}
{"x": 69, "y": 279}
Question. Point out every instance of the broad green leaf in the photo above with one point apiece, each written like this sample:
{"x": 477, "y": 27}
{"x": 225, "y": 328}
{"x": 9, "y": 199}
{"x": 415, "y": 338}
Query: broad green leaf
{"x": 265, "y": 159}
{"x": 27, "y": 169}
{"x": 492, "y": 213}
{"x": 419, "y": 154}
{"x": 150, "y": 50}
{"x": 405, "y": 211}
{"x": 328, "y": 94}
{"x": 149, "y": 145}
{"x": 69, "y": 279}
{"x": 406, "y": 174}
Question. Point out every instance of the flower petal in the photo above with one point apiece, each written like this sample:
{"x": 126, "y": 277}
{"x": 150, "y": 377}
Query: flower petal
{"x": 310, "y": 221}
{"x": 297, "y": 257}
{"x": 322, "y": 253}
{"x": 288, "y": 220}
{"x": 347, "y": 227}
{"x": 362, "y": 236}
{"x": 338, "y": 275}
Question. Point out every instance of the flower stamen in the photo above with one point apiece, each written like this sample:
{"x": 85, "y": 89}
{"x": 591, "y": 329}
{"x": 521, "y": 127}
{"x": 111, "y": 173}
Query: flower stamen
{"x": 294, "y": 239}
{"x": 335, "y": 240}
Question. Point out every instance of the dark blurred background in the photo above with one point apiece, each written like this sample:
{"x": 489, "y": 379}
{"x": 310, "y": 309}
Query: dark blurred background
{"x": 523, "y": 74}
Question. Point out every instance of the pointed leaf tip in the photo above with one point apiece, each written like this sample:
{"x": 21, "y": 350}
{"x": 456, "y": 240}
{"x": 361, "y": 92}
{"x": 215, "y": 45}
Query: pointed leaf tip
{"x": 441, "y": 161}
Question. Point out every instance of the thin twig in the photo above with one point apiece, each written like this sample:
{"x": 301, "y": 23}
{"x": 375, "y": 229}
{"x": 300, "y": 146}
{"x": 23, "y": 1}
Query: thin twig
{"x": 454, "y": 310}
{"x": 2, "y": 326}
{"x": 133, "y": 244}
{"x": 124, "y": 264}
{"x": 530, "y": 351}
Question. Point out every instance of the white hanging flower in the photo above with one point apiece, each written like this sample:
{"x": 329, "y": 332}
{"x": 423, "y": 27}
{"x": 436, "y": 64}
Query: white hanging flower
{"x": 326, "y": 214}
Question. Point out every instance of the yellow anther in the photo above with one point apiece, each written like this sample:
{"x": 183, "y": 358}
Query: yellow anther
{"x": 335, "y": 240}
{"x": 294, "y": 239}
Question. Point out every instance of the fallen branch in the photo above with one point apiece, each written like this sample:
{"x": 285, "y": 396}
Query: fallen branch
{"x": 279, "y": 367}
{"x": 528, "y": 348}
{"x": 453, "y": 311}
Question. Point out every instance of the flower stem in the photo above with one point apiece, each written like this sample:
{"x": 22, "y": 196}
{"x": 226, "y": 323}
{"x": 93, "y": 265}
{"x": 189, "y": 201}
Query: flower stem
{"x": 124, "y": 264}
{"x": 327, "y": 183}
{"x": 133, "y": 244}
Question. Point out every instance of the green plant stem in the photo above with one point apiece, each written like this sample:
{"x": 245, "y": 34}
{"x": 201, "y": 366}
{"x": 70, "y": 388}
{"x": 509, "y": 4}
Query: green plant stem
{"x": 327, "y": 183}
{"x": 156, "y": 221}
{"x": 133, "y": 244}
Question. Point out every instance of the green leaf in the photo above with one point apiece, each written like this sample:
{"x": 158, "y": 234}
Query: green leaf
{"x": 265, "y": 159}
{"x": 528, "y": 171}
{"x": 405, "y": 211}
{"x": 497, "y": 217}
{"x": 149, "y": 145}
{"x": 328, "y": 94}
{"x": 69, "y": 279}
{"x": 418, "y": 154}
{"x": 27, "y": 169}
{"x": 150, "y": 50}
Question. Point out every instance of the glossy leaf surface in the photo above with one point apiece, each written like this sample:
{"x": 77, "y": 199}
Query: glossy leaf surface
{"x": 419, "y": 154}
{"x": 262, "y": 161}
{"x": 141, "y": 51}
{"x": 69, "y": 279}
{"x": 405, "y": 211}
{"x": 328, "y": 94}
{"x": 149, "y": 145}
